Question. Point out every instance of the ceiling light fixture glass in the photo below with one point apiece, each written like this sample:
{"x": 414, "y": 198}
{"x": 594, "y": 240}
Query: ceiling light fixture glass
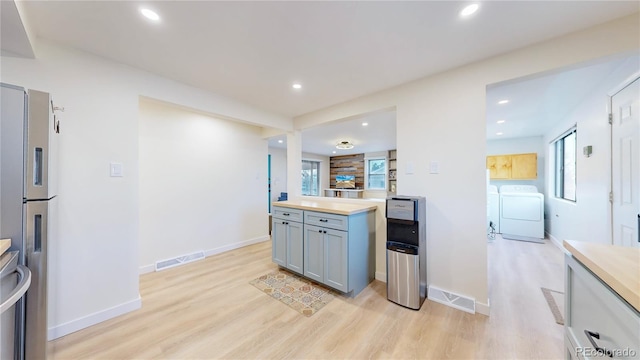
{"x": 365, "y": 124}
{"x": 469, "y": 10}
{"x": 297, "y": 86}
{"x": 500, "y": 122}
{"x": 344, "y": 145}
{"x": 280, "y": 141}
{"x": 502, "y": 102}
{"x": 150, "y": 14}
{"x": 498, "y": 133}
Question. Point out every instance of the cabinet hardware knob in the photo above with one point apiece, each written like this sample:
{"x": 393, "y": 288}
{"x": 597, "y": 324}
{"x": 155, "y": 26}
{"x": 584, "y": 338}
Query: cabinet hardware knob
{"x": 283, "y": 223}
{"x": 320, "y": 231}
{"x": 590, "y": 336}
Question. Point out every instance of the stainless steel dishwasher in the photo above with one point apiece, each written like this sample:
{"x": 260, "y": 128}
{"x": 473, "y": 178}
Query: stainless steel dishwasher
{"x": 406, "y": 251}
{"x": 14, "y": 282}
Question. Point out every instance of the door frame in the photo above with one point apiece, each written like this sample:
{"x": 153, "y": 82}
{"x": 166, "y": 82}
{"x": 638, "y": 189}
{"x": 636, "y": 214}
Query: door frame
{"x": 610, "y": 94}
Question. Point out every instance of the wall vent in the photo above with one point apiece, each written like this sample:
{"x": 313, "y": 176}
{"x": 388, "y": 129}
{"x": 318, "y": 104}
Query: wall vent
{"x": 459, "y": 302}
{"x": 180, "y": 260}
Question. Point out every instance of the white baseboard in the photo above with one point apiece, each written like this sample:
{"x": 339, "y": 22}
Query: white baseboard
{"x": 237, "y": 245}
{"x": 92, "y": 319}
{"x": 555, "y": 241}
{"x": 381, "y": 276}
{"x": 483, "y": 309}
{"x": 145, "y": 269}
{"x": 151, "y": 267}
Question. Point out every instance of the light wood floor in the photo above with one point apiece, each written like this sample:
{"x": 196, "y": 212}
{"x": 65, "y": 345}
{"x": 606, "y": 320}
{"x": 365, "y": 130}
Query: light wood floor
{"x": 208, "y": 310}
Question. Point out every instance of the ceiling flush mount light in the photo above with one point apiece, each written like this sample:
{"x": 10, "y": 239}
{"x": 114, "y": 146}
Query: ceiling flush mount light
{"x": 333, "y": 152}
{"x": 502, "y": 102}
{"x": 150, "y": 14}
{"x": 296, "y": 86}
{"x": 469, "y": 10}
{"x": 500, "y": 122}
{"x": 344, "y": 145}
{"x": 280, "y": 141}
{"x": 499, "y": 133}
{"x": 365, "y": 124}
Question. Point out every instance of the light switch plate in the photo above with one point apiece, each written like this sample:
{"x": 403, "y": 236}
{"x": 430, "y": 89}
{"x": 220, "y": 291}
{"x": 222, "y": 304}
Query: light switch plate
{"x": 116, "y": 169}
{"x": 434, "y": 167}
{"x": 410, "y": 168}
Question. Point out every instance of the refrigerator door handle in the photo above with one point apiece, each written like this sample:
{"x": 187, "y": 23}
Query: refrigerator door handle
{"x": 38, "y": 128}
{"x": 19, "y": 290}
{"x": 37, "y": 214}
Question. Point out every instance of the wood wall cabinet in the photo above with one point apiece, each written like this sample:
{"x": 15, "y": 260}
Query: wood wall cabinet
{"x": 513, "y": 166}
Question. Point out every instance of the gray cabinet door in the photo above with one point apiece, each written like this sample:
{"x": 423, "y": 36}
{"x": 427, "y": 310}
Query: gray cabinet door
{"x": 279, "y": 242}
{"x": 314, "y": 253}
{"x": 336, "y": 259}
{"x": 294, "y": 247}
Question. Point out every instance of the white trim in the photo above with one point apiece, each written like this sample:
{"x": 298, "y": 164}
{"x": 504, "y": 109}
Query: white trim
{"x": 381, "y": 276}
{"x": 482, "y": 308}
{"x": 92, "y": 319}
{"x": 237, "y": 245}
{"x": 145, "y": 269}
{"x": 554, "y": 241}
{"x": 366, "y": 172}
{"x": 624, "y": 84}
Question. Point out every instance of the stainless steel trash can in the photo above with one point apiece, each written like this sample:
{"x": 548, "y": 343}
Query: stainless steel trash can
{"x": 403, "y": 275}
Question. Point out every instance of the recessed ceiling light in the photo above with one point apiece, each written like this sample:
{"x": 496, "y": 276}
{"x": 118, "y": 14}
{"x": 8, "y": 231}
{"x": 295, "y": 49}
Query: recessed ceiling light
{"x": 333, "y": 152}
{"x": 297, "y": 86}
{"x": 498, "y": 133}
{"x": 502, "y": 102}
{"x": 365, "y": 124}
{"x": 469, "y": 10}
{"x": 500, "y": 122}
{"x": 280, "y": 141}
{"x": 150, "y": 14}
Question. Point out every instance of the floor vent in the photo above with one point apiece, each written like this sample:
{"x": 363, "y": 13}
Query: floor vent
{"x": 454, "y": 300}
{"x": 180, "y": 260}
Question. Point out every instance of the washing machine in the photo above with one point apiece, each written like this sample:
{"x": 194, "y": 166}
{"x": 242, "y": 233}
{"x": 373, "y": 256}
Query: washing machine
{"x": 522, "y": 213}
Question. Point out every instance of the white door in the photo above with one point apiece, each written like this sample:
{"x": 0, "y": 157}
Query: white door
{"x": 625, "y": 164}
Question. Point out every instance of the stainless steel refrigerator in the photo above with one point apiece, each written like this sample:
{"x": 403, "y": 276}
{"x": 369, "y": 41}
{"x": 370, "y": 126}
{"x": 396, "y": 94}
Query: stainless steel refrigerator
{"x": 28, "y": 146}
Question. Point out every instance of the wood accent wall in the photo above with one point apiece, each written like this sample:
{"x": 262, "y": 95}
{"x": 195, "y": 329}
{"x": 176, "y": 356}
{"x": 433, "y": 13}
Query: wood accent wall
{"x": 347, "y": 165}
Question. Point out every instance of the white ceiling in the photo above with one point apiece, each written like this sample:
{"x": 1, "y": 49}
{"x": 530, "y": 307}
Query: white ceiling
{"x": 378, "y": 135}
{"x": 536, "y": 104}
{"x": 254, "y": 51}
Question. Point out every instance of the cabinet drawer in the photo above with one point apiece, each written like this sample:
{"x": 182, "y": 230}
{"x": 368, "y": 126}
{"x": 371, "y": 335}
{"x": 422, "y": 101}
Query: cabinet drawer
{"x": 287, "y": 213}
{"x": 595, "y": 307}
{"x": 332, "y": 221}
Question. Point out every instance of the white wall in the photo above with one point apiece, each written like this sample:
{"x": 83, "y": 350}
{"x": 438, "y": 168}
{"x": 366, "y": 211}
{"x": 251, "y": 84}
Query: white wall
{"x": 324, "y": 169}
{"x": 587, "y": 219}
{"x": 278, "y": 172}
{"x": 531, "y": 144}
{"x": 442, "y": 118}
{"x": 194, "y": 196}
{"x": 94, "y": 261}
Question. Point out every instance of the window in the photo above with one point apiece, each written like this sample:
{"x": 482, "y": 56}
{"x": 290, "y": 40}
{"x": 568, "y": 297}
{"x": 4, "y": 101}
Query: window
{"x": 565, "y": 166}
{"x": 376, "y": 173}
{"x": 310, "y": 178}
